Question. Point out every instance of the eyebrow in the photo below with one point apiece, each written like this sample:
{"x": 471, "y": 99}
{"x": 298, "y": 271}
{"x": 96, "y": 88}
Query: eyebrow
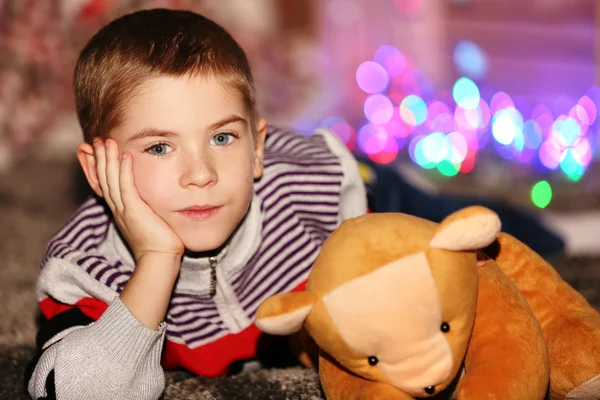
{"x": 152, "y": 132}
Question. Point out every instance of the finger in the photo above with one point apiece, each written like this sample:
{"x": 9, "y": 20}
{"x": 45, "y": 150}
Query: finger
{"x": 129, "y": 193}
{"x": 112, "y": 173}
{"x": 101, "y": 170}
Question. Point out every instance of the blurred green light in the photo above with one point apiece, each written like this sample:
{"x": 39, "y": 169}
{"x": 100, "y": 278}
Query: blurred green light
{"x": 447, "y": 168}
{"x": 541, "y": 194}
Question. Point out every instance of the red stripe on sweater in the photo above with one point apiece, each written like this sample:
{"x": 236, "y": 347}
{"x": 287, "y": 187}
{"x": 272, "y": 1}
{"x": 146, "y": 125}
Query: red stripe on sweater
{"x": 210, "y": 360}
{"x": 91, "y": 307}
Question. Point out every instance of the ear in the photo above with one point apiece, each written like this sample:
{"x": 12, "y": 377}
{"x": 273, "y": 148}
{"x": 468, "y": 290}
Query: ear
{"x": 87, "y": 160}
{"x": 468, "y": 229}
{"x": 284, "y": 313}
{"x": 259, "y": 147}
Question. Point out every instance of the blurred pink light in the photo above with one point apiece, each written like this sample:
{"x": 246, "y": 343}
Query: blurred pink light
{"x": 387, "y": 154}
{"x": 459, "y": 145}
{"x": 378, "y": 109}
{"x": 500, "y": 101}
{"x": 391, "y": 59}
{"x": 371, "y": 77}
{"x": 590, "y": 109}
{"x": 582, "y": 151}
{"x": 550, "y": 153}
{"x": 410, "y": 85}
{"x": 397, "y": 128}
{"x": 485, "y": 114}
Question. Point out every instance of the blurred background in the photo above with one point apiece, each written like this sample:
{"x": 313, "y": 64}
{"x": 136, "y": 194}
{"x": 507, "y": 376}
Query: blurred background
{"x": 490, "y": 98}
{"x": 471, "y": 95}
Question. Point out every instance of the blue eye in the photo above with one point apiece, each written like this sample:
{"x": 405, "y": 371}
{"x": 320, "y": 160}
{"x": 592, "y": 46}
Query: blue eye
{"x": 159, "y": 149}
{"x": 222, "y": 139}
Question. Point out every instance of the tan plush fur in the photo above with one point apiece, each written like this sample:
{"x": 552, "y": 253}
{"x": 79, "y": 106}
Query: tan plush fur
{"x": 399, "y": 308}
{"x": 571, "y": 327}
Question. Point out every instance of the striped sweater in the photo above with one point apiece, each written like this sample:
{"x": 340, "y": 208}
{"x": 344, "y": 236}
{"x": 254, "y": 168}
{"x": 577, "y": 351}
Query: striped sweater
{"x": 92, "y": 347}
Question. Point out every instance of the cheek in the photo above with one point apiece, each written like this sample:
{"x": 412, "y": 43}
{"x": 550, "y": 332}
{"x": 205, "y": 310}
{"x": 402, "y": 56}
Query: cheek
{"x": 150, "y": 181}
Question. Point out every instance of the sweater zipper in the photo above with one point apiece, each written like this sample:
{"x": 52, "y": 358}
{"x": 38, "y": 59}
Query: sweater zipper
{"x": 213, "y": 276}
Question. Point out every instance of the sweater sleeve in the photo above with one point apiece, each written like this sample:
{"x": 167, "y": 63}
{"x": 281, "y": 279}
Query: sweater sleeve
{"x": 115, "y": 357}
{"x": 353, "y": 196}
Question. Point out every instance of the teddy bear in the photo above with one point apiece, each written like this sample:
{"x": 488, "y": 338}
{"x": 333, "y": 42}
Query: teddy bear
{"x": 398, "y": 307}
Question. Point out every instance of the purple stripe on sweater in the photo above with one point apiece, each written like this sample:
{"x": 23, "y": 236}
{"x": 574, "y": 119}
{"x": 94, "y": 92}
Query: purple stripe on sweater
{"x": 194, "y": 315}
{"x": 272, "y": 142}
{"x": 236, "y": 282}
{"x": 94, "y": 265}
{"x": 275, "y": 236}
{"x": 305, "y": 174}
{"x": 87, "y": 205}
{"x": 262, "y": 273}
{"x": 68, "y": 229}
{"x": 196, "y": 329}
{"x": 272, "y": 218}
{"x": 300, "y": 269}
{"x": 82, "y": 260}
{"x": 112, "y": 278}
{"x": 288, "y": 202}
{"x": 274, "y": 161}
{"x": 93, "y": 240}
{"x": 298, "y": 145}
{"x": 183, "y": 322}
{"x": 201, "y": 337}
{"x": 103, "y": 271}
{"x": 300, "y": 148}
{"x": 278, "y": 288}
{"x": 73, "y": 233}
{"x": 323, "y": 187}
{"x": 66, "y": 247}
{"x": 252, "y": 291}
{"x": 294, "y": 141}
{"x": 327, "y": 196}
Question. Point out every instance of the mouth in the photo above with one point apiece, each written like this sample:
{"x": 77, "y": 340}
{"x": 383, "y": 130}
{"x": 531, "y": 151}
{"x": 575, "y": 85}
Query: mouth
{"x": 199, "y": 212}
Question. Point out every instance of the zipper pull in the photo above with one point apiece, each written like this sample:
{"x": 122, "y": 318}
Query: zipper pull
{"x": 213, "y": 276}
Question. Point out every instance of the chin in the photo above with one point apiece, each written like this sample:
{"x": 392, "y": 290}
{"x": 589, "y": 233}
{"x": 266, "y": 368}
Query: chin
{"x": 196, "y": 246}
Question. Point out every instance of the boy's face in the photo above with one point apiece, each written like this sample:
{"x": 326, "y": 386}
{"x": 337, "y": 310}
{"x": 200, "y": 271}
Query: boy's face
{"x": 192, "y": 146}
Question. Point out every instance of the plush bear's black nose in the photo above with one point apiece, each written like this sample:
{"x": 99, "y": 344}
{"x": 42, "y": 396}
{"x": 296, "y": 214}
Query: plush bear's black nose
{"x": 430, "y": 390}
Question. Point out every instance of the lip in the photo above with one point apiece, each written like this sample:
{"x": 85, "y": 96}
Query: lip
{"x": 199, "y": 212}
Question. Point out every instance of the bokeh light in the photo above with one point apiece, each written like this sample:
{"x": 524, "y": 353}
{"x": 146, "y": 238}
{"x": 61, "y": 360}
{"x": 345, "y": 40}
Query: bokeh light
{"x": 413, "y": 110}
{"x": 541, "y": 194}
{"x": 466, "y": 93}
{"x": 378, "y": 109}
{"x": 470, "y": 60}
{"x": 372, "y": 77}
{"x": 447, "y": 130}
{"x": 391, "y": 59}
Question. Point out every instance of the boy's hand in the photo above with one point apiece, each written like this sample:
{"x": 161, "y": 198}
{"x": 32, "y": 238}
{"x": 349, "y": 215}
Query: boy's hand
{"x": 143, "y": 229}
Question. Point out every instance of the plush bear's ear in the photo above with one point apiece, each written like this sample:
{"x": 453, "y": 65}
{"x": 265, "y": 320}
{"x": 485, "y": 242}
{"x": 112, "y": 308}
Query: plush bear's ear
{"x": 284, "y": 313}
{"x": 468, "y": 229}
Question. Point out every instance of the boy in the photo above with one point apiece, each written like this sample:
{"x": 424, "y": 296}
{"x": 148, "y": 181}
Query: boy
{"x": 209, "y": 212}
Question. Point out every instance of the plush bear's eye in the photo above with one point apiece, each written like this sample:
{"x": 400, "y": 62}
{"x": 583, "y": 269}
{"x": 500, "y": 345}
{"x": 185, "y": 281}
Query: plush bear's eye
{"x": 445, "y": 327}
{"x": 373, "y": 360}
{"x": 430, "y": 390}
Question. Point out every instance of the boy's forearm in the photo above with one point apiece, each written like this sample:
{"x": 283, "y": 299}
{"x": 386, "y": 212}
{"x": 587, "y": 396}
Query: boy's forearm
{"x": 148, "y": 291}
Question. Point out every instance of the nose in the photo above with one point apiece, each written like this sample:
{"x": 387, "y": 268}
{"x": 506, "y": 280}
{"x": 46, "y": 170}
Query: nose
{"x": 198, "y": 170}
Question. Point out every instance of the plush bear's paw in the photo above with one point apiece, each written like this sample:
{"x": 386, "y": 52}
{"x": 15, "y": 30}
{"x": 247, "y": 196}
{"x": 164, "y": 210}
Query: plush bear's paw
{"x": 590, "y": 390}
